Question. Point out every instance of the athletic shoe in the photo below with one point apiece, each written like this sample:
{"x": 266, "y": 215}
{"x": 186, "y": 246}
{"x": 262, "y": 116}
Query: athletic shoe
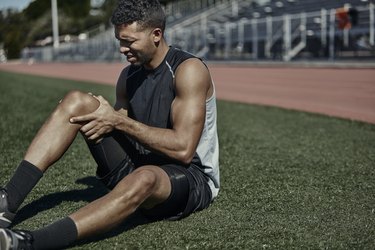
{"x": 15, "y": 240}
{"x": 6, "y": 217}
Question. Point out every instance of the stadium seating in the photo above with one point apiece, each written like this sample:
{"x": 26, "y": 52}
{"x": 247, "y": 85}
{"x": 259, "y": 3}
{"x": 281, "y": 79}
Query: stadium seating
{"x": 244, "y": 30}
{"x": 223, "y": 29}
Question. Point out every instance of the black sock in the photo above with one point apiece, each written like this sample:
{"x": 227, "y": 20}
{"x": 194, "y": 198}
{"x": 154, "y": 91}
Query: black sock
{"x": 23, "y": 181}
{"x": 57, "y": 235}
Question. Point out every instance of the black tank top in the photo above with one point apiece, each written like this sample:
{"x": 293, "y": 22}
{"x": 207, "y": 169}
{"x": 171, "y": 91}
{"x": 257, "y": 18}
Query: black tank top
{"x": 151, "y": 92}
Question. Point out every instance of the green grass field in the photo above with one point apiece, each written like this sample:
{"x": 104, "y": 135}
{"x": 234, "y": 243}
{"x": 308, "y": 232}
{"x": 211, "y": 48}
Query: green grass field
{"x": 290, "y": 180}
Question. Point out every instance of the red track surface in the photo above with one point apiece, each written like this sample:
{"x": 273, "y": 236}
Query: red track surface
{"x": 340, "y": 92}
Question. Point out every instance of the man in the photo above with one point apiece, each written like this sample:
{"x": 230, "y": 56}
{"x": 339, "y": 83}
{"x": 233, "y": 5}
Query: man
{"x": 156, "y": 150}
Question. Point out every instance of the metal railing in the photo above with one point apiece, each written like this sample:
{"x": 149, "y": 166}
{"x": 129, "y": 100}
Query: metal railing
{"x": 286, "y": 37}
{"x": 219, "y": 33}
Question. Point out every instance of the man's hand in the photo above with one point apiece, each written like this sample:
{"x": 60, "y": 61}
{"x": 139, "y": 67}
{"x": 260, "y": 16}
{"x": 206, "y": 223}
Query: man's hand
{"x": 97, "y": 123}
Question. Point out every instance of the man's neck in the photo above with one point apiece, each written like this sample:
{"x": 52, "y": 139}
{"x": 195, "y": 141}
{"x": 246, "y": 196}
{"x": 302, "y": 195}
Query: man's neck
{"x": 159, "y": 56}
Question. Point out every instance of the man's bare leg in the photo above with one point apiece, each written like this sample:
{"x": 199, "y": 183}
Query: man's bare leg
{"x": 48, "y": 146}
{"x": 145, "y": 187}
{"x": 57, "y": 133}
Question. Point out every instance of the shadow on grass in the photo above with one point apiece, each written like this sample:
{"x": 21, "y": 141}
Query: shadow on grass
{"x": 136, "y": 219}
{"x": 93, "y": 191}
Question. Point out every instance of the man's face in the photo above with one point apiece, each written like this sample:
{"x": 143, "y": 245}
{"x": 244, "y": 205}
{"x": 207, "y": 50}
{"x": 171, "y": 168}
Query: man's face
{"x": 135, "y": 43}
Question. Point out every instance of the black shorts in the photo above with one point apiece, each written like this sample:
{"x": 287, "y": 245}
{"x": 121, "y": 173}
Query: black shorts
{"x": 117, "y": 155}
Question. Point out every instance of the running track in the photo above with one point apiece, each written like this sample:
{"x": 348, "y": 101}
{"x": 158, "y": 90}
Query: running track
{"x": 343, "y": 92}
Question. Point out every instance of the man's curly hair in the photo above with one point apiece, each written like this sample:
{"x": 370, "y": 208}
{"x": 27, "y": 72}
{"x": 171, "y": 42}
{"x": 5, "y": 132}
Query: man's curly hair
{"x": 147, "y": 13}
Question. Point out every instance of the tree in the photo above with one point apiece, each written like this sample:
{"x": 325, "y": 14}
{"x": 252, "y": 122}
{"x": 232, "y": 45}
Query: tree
{"x": 21, "y": 29}
{"x": 12, "y": 29}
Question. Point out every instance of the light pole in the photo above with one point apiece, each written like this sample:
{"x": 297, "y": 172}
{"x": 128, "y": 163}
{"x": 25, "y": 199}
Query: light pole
{"x": 55, "y": 24}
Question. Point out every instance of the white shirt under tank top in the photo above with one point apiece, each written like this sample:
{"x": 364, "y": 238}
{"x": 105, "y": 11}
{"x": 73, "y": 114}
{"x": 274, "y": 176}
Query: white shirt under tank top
{"x": 208, "y": 147}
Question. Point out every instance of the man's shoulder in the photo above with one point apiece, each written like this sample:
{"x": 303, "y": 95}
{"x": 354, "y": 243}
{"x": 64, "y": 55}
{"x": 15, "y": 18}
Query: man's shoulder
{"x": 181, "y": 54}
{"x": 181, "y": 57}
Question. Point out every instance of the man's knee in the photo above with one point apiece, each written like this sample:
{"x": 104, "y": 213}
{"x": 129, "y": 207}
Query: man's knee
{"x": 78, "y": 103}
{"x": 142, "y": 184}
{"x": 145, "y": 181}
{"x": 146, "y": 178}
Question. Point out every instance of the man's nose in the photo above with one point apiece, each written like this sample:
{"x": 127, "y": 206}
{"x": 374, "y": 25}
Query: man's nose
{"x": 124, "y": 49}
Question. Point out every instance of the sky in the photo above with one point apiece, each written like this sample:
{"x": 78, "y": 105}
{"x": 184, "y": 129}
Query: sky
{"x": 21, "y": 4}
{"x": 18, "y": 4}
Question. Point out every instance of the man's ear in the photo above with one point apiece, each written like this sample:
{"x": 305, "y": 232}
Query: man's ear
{"x": 157, "y": 35}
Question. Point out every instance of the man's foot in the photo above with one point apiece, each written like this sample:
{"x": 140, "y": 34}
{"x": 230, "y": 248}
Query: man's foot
{"x": 15, "y": 240}
{"x": 6, "y": 217}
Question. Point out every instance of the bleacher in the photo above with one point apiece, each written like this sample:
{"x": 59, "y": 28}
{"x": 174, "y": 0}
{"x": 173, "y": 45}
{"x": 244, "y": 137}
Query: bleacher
{"x": 244, "y": 30}
{"x": 227, "y": 40}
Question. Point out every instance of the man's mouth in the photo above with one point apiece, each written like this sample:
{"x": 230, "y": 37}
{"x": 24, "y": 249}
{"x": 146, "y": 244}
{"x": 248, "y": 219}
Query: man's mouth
{"x": 130, "y": 57}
